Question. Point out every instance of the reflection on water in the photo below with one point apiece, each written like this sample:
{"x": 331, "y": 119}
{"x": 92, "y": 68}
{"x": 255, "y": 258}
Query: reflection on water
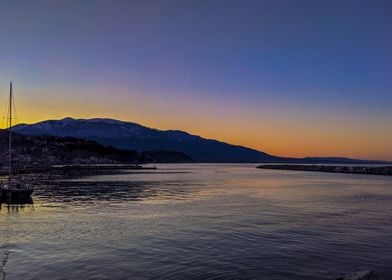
{"x": 86, "y": 191}
{"x": 201, "y": 221}
{"x": 14, "y": 208}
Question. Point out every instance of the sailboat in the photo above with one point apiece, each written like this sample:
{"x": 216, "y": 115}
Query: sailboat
{"x": 13, "y": 190}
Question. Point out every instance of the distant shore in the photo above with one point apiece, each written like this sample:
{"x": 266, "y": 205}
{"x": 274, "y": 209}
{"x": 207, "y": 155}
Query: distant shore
{"x": 379, "y": 170}
{"x": 82, "y": 168}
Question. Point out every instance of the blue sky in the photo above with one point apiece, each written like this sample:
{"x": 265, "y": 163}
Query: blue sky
{"x": 321, "y": 65}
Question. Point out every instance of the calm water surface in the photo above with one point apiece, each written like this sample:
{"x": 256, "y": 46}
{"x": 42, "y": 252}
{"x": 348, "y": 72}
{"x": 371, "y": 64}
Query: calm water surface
{"x": 201, "y": 222}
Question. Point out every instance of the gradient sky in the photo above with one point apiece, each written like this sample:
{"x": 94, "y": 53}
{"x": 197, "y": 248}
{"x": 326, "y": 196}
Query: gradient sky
{"x": 293, "y": 78}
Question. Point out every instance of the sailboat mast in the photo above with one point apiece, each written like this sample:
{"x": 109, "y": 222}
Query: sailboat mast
{"x": 10, "y": 135}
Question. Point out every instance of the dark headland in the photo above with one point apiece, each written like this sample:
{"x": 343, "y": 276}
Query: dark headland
{"x": 42, "y": 153}
{"x": 371, "y": 170}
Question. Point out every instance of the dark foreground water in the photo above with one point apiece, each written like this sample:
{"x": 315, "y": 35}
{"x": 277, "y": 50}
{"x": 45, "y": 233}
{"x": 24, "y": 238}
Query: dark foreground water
{"x": 201, "y": 222}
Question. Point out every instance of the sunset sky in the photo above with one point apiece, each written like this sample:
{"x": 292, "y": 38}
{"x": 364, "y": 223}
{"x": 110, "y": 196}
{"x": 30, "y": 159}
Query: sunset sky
{"x": 291, "y": 78}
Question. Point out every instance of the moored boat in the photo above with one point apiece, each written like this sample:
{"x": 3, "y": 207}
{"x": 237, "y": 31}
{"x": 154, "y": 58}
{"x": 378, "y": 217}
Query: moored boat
{"x": 14, "y": 189}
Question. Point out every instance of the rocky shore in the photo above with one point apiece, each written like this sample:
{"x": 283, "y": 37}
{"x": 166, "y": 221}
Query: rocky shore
{"x": 372, "y": 170}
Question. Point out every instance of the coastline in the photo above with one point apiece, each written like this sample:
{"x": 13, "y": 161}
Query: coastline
{"x": 75, "y": 167}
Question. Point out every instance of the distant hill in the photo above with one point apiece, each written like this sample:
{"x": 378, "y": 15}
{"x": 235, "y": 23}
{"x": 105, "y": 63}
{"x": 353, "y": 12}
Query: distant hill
{"x": 51, "y": 150}
{"x": 132, "y": 136}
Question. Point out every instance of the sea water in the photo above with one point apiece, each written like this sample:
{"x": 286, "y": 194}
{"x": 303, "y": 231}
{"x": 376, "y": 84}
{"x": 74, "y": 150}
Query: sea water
{"x": 201, "y": 221}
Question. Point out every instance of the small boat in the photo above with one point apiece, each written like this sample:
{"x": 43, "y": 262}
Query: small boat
{"x": 14, "y": 190}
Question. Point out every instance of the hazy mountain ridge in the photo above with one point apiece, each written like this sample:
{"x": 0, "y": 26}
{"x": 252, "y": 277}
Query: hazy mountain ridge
{"x": 133, "y": 136}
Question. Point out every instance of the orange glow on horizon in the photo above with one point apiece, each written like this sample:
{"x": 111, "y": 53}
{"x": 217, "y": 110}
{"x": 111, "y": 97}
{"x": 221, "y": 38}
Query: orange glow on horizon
{"x": 289, "y": 134}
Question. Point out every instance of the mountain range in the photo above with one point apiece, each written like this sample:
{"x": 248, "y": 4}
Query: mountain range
{"x": 133, "y": 136}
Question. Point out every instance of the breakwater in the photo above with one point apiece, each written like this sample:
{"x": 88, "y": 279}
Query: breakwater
{"x": 370, "y": 170}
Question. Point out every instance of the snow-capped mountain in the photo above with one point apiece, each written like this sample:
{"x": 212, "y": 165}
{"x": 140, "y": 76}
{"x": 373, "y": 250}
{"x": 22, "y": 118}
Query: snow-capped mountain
{"x": 128, "y": 135}
{"x": 132, "y": 136}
